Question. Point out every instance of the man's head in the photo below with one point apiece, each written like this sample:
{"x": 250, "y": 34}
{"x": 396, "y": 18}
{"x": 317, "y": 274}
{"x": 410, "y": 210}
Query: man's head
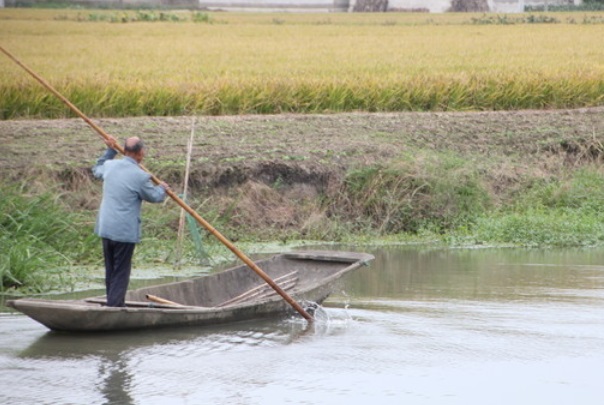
{"x": 134, "y": 148}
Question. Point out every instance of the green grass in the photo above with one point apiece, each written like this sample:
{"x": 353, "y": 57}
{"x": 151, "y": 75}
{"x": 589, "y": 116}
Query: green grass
{"x": 559, "y": 213}
{"x": 436, "y": 191}
{"x": 37, "y": 237}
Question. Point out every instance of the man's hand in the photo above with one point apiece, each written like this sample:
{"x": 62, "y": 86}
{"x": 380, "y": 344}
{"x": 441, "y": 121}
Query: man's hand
{"x": 111, "y": 142}
{"x": 164, "y": 185}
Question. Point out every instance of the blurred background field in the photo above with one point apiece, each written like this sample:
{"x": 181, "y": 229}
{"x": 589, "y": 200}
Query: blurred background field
{"x": 129, "y": 63}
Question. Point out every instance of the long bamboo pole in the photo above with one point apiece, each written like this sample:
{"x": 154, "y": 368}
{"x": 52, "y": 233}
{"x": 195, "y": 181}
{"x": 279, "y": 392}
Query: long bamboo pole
{"x": 171, "y": 193}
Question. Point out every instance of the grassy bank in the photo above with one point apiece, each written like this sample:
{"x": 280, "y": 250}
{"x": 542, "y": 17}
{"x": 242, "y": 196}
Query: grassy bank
{"x": 449, "y": 204}
{"x": 274, "y": 63}
{"x": 460, "y": 179}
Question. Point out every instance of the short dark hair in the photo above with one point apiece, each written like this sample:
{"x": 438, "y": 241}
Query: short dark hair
{"x": 134, "y": 147}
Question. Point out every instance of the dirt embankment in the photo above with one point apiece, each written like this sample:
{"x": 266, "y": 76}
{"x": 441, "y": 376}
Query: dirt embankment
{"x": 273, "y": 170}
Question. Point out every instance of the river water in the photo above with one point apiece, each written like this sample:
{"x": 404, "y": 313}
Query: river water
{"x": 418, "y": 326}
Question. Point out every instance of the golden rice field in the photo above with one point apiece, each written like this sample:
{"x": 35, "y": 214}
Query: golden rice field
{"x": 273, "y": 63}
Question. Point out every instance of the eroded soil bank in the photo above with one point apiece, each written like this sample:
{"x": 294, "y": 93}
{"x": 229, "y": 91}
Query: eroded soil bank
{"x": 276, "y": 172}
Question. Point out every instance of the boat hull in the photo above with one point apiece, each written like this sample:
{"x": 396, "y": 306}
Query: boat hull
{"x": 233, "y": 295}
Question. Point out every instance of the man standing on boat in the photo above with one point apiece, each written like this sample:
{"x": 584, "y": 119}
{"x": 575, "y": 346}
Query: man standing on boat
{"x": 125, "y": 187}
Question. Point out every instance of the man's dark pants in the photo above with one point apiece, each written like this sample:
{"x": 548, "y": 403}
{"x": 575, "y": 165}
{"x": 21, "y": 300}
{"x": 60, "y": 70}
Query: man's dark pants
{"x": 118, "y": 263}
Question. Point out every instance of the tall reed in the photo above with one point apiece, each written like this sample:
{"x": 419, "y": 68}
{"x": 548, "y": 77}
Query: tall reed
{"x": 37, "y": 237}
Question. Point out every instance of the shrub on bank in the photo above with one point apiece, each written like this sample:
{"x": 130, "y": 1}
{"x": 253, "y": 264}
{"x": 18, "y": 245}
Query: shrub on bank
{"x": 439, "y": 192}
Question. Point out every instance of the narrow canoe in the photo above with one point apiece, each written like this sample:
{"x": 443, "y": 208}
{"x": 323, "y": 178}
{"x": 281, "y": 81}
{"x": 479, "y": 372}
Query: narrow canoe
{"x": 232, "y": 295}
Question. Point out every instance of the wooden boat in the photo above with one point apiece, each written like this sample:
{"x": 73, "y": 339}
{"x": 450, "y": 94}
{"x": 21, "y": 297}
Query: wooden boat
{"x": 232, "y": 295}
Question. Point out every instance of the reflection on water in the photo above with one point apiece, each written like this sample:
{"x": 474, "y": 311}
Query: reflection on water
{"x": 419, "y": 326}
{"x": 116, "y": 381}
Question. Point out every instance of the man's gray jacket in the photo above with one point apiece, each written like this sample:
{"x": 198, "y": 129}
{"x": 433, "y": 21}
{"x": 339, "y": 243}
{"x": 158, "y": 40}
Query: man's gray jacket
{"x": 125, "y": 186}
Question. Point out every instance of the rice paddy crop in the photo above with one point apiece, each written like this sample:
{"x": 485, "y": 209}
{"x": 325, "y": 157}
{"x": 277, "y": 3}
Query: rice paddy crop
{"x": 228, "y": 63}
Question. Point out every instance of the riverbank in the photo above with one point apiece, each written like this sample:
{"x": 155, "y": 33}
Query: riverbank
{"x": 272, "y": 174}
{"x": 529, "y": 178}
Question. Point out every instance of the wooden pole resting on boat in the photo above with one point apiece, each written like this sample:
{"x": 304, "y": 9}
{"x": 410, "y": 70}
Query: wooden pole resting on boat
{"x": 171, "y": 193}
{"x": 161, "y": 300}
{"x": 286, "y": 282}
